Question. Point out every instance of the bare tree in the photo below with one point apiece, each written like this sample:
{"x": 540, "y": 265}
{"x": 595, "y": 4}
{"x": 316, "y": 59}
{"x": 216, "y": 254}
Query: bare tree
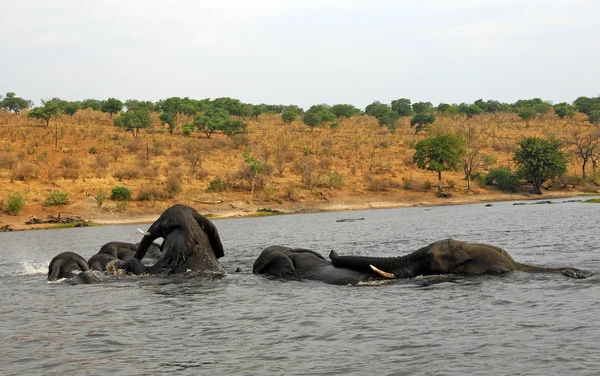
{"x": 471, "y": 156}
{"x": 193, "y": 154}
{"x": 587, "y": 147}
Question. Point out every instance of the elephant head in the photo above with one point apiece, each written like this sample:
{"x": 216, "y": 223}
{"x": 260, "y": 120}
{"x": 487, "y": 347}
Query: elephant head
{"x": 190, "y": 241}
{"x": 65, "y": 265}
{"x": 299, "y": 264}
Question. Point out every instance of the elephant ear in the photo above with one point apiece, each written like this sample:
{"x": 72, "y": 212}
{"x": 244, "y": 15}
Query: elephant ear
{"x": 211, "y": 232}
{"x": 275, "y": 263}
{"x": 54, "y": 269}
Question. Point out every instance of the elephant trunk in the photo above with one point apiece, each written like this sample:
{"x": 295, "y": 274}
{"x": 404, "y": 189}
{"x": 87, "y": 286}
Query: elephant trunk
{"x": 142, "y": 248}
{"x": 365, "y": 264}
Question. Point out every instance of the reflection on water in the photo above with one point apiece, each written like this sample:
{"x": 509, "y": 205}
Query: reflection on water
{"x": 533, "y": 324}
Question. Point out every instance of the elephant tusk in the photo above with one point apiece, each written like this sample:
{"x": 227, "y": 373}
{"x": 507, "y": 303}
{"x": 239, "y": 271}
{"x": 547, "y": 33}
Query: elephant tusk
{"x": 145, "y": 233}
{"x": 382, "y": 273}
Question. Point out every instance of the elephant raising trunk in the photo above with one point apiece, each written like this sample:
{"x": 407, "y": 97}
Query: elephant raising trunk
{"x": 446, "y": 257}
{"x": 190, "y": 242}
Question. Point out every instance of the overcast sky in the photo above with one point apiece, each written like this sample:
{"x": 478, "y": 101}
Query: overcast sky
{"x": 301, "y": 52}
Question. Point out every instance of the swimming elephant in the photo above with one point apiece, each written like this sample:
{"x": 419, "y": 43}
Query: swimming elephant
{"x": 447, "y": 256}
{"x": 66, "y": 265}
{"x": 298, "y": 264}
{"x": 109, "y": 252}
{"x": 190, "y": 242}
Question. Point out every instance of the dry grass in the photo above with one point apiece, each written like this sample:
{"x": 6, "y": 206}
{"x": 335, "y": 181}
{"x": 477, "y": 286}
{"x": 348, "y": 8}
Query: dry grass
{"x": 358, "y": 156}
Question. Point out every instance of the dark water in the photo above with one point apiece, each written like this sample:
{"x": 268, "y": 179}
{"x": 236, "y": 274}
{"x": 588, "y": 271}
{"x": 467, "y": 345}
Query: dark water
{"x": 518, "y": 324}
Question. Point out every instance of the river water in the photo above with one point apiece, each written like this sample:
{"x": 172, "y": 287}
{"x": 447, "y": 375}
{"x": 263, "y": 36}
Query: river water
{"x": 517, "y": 324}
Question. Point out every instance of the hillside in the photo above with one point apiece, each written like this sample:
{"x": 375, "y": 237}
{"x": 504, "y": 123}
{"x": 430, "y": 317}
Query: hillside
{"x": 287, "y": 168}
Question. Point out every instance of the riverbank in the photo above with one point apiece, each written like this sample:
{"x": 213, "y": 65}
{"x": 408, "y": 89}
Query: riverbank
{"x": 236, "y": 206}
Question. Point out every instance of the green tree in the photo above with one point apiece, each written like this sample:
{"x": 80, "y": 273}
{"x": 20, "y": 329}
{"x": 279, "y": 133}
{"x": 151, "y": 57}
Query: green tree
{"x": 421, "y": 120}
{"x": 344, "y": 111}
{"x": 71, "y": 108}
{"x": 446, "y": 109}
{"x": 563, "y": 110}
{"x": 317, "y": 115}
{"x": 376, "y": 109}
{"x": 94, "y": 104}
{"x": 15, "y": 104}
{"x": 422, "y": 107}
{"x": 288, "y": 116}
{"x": 234, "y": 107}
{"x": 134, "y": 105}
{"x": 540, "y": 160}
{"x": 402, "y": 107}
{"x": 211, "y": 121}
{"x": 170, "y": 105}
{"x": 133, "y": 121}
{"x": 50, "y": 109}
{"x": 111, "y": 106}
{"x": 586, "y": 105}
{"x": 594, "y": 117}
{"x": 170, "y": 119}
{"x": 255, "y": 168}
{"x": 232, "y": 127}
{"x": 439, "y": 153}
{"x": 526, "y": 113}
{"x": 389, "y": 119}
{"x": 469, "y": 110}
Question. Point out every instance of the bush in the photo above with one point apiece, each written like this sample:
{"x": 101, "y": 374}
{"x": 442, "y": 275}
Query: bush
{"x": 120, "y": 194}
{"x": 504, "y": 178}
{"x": 427, "y": 185}
{"x": 174, "y": 183}
{"x": 24, "y": 171}
{"x": 56, "y": 198}
{"x": 93, "y": 150}
{"x": 407, "y": 183}
{"x": 217, "y": 185}
{"x": 15, "y": 203}
{"x": 100, "y": 197}
{"x": 330, "y": 180}
{"x": 150, "y": 193}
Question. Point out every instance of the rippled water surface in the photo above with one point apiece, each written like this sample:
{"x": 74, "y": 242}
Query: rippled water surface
{"x": 518, "y": 324}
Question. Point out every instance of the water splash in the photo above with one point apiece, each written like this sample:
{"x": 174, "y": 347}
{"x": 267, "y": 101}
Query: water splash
{"x": 33, "y": 268}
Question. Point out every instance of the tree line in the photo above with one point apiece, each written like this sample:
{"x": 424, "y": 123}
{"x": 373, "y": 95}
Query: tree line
{"x": 227, "y": 114}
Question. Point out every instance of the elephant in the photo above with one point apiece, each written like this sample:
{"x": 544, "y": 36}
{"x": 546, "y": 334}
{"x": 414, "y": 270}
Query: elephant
{"x": 447, "y": 256}
{"x": 66, "y": 265}
{"x": 299, "y": 264}
{"x": 190, "y": 242}
{"x": 109, "y": 252}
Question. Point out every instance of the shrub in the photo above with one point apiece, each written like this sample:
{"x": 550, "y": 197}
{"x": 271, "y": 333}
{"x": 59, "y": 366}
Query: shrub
{"x": 127, "y": 172}
{"x": 71, "y": 168}
{"x": 7, "y": 160}
{"x": 504, "y": 178}
{"x": 217, "y": 185}
{"x": 122, "y": 205}
{"x": 56, "y": 198}
{"x": 174, "y": 183}
{"x": 407, "y": 183}
{"x": 330, "y": 180}
{"x": 427, "y": 185}
{"x": 150, "y": 193}
{"x": 24, "y": 171}
{"x": 100, "y": 197}
{"x": 120, "y": 193}
{"x": 451, "y": 184}
{"x": 93, "y": 150}
{"x": 15, "y": 203}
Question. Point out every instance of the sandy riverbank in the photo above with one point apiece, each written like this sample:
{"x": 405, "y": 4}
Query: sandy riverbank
{"x": 233, "y": 207}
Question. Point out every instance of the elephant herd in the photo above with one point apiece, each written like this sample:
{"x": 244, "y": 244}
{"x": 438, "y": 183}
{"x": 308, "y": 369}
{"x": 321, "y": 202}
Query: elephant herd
{"x": 191, "y": 242}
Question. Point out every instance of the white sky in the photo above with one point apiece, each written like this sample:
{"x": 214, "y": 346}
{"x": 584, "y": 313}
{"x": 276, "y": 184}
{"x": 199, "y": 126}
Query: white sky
{"x": 301, "y": 52}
